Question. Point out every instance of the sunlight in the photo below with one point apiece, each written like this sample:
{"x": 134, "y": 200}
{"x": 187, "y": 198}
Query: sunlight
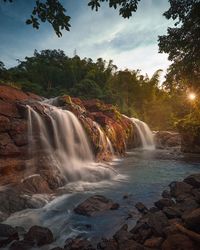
{"x": 192, "y": 96}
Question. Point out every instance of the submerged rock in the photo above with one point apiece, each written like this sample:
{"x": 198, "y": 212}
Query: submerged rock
{"x": 94, "y": 204}
{"x": 7, "y": 234}
{"x": 39, "y": 235}
{"x": 78, "y": 244}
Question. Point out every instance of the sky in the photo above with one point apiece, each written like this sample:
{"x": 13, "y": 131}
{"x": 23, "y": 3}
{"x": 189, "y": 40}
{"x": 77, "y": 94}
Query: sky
{"x": 130, "y": 43}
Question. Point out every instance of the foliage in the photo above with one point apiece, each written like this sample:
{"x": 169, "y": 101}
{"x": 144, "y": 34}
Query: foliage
{"x": 182, "y": 44}
{"x": 53, "y": 12}
{"x": 51, "y": 73}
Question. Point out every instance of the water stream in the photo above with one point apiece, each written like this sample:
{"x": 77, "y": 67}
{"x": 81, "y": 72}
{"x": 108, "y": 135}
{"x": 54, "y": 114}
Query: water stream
{"x": 141, "y": 176}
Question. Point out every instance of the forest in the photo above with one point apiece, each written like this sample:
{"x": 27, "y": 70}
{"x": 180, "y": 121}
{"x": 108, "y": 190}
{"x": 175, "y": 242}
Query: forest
{"x": 51, "y": 73}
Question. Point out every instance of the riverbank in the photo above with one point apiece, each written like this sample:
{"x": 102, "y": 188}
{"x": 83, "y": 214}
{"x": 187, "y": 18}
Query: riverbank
{"x": 172, "y": 223}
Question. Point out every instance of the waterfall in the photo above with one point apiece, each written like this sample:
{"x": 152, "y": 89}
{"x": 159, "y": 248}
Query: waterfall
{"x": 104, "y": 141}
{"x": 57, "y": 137}
{"x": 144, "y": 133}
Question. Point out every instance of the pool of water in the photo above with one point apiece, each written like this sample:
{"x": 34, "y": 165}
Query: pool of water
{"x": 141, "y": 176}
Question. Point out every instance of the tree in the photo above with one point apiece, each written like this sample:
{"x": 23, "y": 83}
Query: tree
{"x": 182, "y": 43}
{"x": 53, "y": 12}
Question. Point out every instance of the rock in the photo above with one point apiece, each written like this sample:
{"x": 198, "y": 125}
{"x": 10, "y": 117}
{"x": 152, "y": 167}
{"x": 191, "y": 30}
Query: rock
{"x": 196, "y": 194}
{"x": 94, "y": 204}
{"x": 57, "y": 248}
{"x": 21, "y": 245}
{"x": 158, "y": 221}
{"x": 105, "y": 244}
{"x": 171, "y": 212}
{"x": 4, "y": 123}
{"x": 180, "y": 188}
{"x": 39, "y": 235}
{"x": 35, "y": 184}
{"x": 154, "y": 242}
{"x": 166, "y": 194}
{"x": 193, "y": 180}
{"x": 7, "y": 234}
{"x": 78, "y": 244}
{"x": 187, "y": 205}
{"x": 192, "y": 220}
{"x": 141, "y": 207}
{"x": 142, "y": 230}
{"x": 122, "y": 234}
{"x": 130, "y": 245}
{"x": 165, "y": 202}
{"x": 7, "y": 147}
{"x": 178, "y": 242}
{"x": 165, "y": 139}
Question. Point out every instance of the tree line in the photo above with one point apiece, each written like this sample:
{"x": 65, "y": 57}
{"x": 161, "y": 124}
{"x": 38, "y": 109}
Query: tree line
{"x": 50, "y": 73}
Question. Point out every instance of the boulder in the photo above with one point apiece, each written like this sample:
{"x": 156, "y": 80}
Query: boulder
{"x": 193, "y": 180}
{"x": 166, "y": 194}
{"x": 158, "y": 221}
{"x": 154, "y": 242}
{"x": 178, "y": 242}
{"x": 172, "y": 212}
{"x": 141, "y": 207}
{"x": 165, "y": 202}
{"x": 7, "y": 234}
{"x": 180, "y": 188}
{"x": 21, "y": 245}
{"x": 192, "y": 220}
{"x": 77, "y": 244}
{"x": 35, "y": 184}
{"x": 39, "y": 235}
{"x": 94, "y": 204}
{"x": 122, "y": 234}
{"x": 105, "y": 244}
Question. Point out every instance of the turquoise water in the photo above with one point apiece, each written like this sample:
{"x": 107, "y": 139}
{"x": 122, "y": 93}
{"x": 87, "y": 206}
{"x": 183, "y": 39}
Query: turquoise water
{"x": 142, "y": 176}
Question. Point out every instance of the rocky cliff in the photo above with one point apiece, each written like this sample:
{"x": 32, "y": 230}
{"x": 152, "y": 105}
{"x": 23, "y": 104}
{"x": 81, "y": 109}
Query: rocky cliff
{"x": 99, "y": 120}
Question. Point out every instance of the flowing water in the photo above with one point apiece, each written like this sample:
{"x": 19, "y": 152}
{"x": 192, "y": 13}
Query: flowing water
{"x": 144, "y": 133}
{"x": 58, "y": 136}
{"x": 141, "y": 176}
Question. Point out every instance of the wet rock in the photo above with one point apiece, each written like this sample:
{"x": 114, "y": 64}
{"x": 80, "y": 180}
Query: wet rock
{"x": 192, "y": 220}
{"x": 21, "y": 245}
{"x": 178, "y": 242}
{"x": 196, "y": 194}
{"x": 7, "y": 234}
{"x": 77, "y": 244}
{"x": 187, "y": 205}
{"x": 141, "y": 207}
{"x": 130, "y": 245}
{"x": 35, "y": 184}
{"x": 158, "y": 221}
{"x": 7, "y": 147}
{"x": 171, "y": 212}
{"x": 166, "y": 194}
{"x": 193, "y": 180}
{"x": 165, "y": 139}
{"x": 57, "y": 248}
{"x": 105, "y": 244}
{"x": 165, "y": 202}
{"x": 4, "y": 123}
{"x": 180, "y": 188}
{"x": 142, "y": 230}
{"x": 39, "y": 235}
{"x": 94, "y": 204}
{"x": 122, "y": 234}
{"x": 154, "y": 242}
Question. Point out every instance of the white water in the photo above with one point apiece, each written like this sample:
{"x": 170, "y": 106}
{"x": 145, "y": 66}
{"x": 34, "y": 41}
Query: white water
{"x": 58, "y": 138}
{"x": 145, "y": 134}
{"x": 104, "y": 141}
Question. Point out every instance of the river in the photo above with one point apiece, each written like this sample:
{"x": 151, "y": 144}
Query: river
{"x": 141, "y": 176}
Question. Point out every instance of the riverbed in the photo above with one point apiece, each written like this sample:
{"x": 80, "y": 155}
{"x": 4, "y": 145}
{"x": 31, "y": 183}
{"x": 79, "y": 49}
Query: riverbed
{"x": 141, "y": 176}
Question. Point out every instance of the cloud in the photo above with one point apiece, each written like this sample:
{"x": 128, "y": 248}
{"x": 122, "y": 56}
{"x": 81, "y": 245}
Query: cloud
{"x": 131, "y": 43}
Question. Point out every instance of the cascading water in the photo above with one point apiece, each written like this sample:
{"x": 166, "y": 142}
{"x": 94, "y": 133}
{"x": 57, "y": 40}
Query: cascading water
{"x": 57, "y": 137}
{"x": 144, "y": 133}
{"x": 104, "y": 141}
